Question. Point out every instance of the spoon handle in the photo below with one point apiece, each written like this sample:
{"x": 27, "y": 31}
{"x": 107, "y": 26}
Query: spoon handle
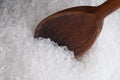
{"x": 107, "y": 8}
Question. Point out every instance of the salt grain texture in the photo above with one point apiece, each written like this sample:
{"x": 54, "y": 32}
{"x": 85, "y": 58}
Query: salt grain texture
{"x": 24, "y": 58}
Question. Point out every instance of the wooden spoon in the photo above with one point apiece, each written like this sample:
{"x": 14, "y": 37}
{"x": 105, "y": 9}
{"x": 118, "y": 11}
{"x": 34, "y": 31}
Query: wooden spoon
{"x": 77, "y": 27}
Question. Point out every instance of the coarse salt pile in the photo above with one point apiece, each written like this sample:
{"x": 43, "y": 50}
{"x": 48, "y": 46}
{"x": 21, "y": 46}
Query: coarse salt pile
{"x": 24, "y": 58}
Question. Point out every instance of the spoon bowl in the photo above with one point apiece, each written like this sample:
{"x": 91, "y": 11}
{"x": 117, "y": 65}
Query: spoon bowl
{"x": 77, "y": 27}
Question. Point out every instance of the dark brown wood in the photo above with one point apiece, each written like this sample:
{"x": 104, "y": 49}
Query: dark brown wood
{"x": 107, "y": 8}
{"x": 78, "y": 27}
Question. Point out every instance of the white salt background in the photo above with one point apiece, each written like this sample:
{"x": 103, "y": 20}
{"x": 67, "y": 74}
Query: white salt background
{"x": 24, "y": 58}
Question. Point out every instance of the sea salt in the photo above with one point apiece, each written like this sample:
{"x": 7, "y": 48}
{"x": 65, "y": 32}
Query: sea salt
{"x": 24, "y": 58}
